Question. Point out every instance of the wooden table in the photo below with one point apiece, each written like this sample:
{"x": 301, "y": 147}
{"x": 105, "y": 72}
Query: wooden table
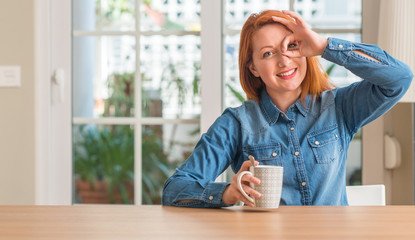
{"x": 156, "y": 222}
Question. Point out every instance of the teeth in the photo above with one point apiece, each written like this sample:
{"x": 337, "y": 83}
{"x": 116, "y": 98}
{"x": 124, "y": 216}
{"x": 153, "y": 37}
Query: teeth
{"x": 286, "y": 73}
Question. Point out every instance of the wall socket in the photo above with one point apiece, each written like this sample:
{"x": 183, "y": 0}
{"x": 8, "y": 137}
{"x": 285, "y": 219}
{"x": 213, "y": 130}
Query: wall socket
{"x": 10, "y": 76}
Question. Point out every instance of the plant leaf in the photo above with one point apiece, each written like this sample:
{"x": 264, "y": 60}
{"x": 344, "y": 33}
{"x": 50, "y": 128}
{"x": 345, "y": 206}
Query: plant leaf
{"x": 236, "y": 93}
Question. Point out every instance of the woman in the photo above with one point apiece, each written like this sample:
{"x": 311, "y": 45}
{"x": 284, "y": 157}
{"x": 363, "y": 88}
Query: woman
{"x": 294, "y": 117}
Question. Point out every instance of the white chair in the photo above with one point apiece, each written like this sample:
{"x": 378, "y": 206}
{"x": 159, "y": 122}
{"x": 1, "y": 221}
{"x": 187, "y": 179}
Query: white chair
{"x": 366, "y": 195}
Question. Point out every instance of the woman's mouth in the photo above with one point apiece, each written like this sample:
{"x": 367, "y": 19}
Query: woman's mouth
{"x": 287, "y": 74}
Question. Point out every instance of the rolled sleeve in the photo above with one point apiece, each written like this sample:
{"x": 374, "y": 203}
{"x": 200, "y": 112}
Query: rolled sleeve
{"x": 385, "y": 81}
{"x": 212, "y": 195}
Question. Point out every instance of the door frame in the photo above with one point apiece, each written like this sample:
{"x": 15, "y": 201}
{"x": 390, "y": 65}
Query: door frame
{"x": 53, "y": 171}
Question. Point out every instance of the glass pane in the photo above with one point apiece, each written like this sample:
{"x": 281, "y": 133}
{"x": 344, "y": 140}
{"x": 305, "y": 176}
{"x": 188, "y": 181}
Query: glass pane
{"x": 103, "y": 157}
{"x": 330, "y": 13}
{"x": 164, "y": 147}
{"x": 234, "y": 94}
{"x": 103, "y": 76}
{"x": 237, "y": 11}
{"x": 179, "y": 15}
{"x": 110, "y": 15}
{"x": 170, "y": 71}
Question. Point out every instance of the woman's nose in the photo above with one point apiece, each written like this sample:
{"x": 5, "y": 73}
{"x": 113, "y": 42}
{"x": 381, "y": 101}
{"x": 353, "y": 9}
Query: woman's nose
{"x": 284, "y": 61}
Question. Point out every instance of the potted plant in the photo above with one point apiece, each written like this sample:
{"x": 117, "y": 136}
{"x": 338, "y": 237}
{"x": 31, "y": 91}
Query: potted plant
{"x": 104, "y": 163}
{"x": 104, "y": 155}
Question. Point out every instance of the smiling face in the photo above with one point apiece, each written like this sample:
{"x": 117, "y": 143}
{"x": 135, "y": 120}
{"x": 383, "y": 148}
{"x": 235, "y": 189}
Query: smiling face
{"x": 281, "y": 75}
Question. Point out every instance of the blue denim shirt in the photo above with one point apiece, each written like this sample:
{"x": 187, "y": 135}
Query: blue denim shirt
{"x": 310, "y": 141}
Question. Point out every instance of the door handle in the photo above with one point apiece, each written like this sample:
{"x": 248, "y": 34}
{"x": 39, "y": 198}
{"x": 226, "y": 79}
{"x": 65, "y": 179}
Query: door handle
{"x": 58, "y": 78}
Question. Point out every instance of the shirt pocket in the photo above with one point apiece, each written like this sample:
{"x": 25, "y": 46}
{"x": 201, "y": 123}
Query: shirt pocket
{"x": 265, "y": 154}
{"x": 325, "y": 145}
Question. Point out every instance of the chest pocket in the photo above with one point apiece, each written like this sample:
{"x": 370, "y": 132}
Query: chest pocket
{"x": 326, "y": 145}
{"x": 264, "y": 154}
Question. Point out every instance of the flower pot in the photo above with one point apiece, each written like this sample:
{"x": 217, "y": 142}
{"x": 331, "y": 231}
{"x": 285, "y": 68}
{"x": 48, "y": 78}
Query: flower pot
{"x": 100, "y": 192}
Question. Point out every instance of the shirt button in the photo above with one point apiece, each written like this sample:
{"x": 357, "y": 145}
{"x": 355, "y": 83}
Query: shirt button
{"x": 297, "y": 153}
{"x": 336, "y": 135}
{"x": 303, "y": 184}
{"x": 211, "y": 198}
{"x": 340, "y": 46}
{"x": 274, "y": 154}
{"x": 292, "y": 129}
{"x": 316, "y": 142}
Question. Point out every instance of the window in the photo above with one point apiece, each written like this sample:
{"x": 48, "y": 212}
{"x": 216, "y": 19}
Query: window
{"x": 136, "y": 86}
{"x": 136, "y": 102}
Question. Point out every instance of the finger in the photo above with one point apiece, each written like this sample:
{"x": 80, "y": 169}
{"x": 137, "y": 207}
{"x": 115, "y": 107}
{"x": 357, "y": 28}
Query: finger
{"x": 290, "y": 25}
{"x": 298, "y": 19}
{"x": 240, "y": 197}
{"x": 286, "y": 41}
{"x": 245, "y": 165}
{"x": 245, "y": 200}
{"x": 250, "y": 179}
{"x": 250, "y": 191}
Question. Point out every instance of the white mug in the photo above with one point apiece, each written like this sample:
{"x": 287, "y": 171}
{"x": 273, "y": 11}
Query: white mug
{"x": 270, "y": 186}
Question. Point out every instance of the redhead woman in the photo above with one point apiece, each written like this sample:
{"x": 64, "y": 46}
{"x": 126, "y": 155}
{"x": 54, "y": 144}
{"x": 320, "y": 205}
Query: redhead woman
{"x": 294, "y": 116}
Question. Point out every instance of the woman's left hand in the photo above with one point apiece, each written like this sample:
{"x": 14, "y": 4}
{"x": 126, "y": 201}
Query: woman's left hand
{"x": 308, "y": 43}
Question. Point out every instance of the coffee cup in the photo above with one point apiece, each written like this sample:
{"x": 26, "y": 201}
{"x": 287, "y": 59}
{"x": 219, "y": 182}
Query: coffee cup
{"x": 270, "y": 187}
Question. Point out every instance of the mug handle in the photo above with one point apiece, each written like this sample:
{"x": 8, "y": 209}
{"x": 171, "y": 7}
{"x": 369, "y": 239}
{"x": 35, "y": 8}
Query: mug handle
{"x": 240, "y": 185}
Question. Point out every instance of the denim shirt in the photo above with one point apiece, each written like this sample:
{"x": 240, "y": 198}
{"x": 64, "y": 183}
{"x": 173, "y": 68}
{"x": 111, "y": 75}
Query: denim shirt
{"x": 310, "y": 141}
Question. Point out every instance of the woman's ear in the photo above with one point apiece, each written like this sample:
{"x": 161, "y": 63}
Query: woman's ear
{"x": 253, "y": 70}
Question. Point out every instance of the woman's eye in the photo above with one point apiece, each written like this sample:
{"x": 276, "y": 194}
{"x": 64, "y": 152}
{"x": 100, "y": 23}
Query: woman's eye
{"x": 267, "y": 54}
{"x": 292, "y": 45}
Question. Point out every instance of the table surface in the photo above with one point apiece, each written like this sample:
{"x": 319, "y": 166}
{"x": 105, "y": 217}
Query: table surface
{"x": 157, "y": 222}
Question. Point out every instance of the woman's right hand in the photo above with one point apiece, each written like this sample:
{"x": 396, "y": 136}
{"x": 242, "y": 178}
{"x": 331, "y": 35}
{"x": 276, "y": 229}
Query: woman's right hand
{"x": 232, "y": 195}
{"x": 305, "y": 41}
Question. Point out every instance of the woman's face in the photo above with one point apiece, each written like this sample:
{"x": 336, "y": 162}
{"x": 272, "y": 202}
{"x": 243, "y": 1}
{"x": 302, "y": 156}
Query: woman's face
{"x": 281, "y": 74}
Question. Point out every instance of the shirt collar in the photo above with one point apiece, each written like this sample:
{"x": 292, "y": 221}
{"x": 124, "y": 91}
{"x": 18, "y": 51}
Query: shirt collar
{"x": 300, "y": 106}
{"x": 272, "y": 113}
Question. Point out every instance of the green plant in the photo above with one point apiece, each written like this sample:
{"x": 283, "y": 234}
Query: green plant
{"x": 121, "y": 100}
{"x": 175, "y": 81}
{"x": 155, "y": 167}
{"x": 106, "y": 153}
{"x": 114, "y": 10}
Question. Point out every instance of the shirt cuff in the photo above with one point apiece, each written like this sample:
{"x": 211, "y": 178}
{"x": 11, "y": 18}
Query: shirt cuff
{"x": 335, "y": 50}
{"x": 212, "y": 195}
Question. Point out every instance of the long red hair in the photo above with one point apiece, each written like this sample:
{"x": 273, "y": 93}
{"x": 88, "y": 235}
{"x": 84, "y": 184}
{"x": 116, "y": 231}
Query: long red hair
{"x": 315, "y": 81}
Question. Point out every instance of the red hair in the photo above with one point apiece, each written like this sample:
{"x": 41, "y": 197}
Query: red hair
{"x": 315, "y": 81}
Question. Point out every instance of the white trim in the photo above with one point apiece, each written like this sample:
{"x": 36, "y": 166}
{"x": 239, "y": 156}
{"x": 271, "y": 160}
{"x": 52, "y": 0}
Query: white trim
{"x": 53, "y": 171}
{"x": 42, "y": 101}
{"x": 138, "y": 175}
{"x": 129, "y": 120}
{"x": 317, "y": 30}
{"x": 78, "y": 33}
{"x": 211, "y": 46}
{"x": 212, "y": 62}
{"x": 61, "y": 127}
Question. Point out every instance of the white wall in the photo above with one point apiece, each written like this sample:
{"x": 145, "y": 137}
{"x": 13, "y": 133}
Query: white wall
{"x": 17, "y": 161}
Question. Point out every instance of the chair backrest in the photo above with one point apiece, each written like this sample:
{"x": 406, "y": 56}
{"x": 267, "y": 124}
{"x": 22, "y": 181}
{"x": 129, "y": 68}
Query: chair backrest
{"x": 366, "y": 195}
